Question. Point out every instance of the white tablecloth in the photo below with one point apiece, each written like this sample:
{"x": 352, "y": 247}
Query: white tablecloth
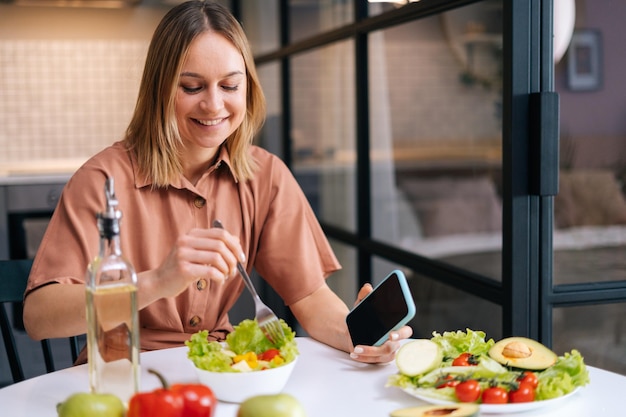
{"x": 326, "y": 381}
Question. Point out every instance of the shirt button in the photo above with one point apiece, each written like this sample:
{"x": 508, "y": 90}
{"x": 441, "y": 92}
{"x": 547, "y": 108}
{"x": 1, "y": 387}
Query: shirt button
{"x": 199, "y": 202}
{"x": 201, "y": 284}
{"x": 194, "y": 321}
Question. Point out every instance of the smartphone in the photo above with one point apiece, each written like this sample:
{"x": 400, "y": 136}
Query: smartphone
{"x": 389, "y": 307}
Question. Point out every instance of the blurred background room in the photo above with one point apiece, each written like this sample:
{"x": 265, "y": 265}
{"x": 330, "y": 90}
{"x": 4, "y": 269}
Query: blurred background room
{"x": 409, "y": 127}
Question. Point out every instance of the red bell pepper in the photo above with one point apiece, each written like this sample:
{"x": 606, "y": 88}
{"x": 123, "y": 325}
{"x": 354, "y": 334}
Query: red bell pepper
{"x": 179, "y": 400}
{"x": 199, "y": 399}
{"x": 159, "y": 403}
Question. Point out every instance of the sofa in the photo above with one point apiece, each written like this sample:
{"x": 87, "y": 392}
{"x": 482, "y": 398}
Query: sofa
{"x": 459, "y": 222}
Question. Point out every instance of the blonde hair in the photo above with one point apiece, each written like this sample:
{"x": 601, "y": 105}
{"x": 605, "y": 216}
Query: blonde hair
{"x": 152, "y": 134}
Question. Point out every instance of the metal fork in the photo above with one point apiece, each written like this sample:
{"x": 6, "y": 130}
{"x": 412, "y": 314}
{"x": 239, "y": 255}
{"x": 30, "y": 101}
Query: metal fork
{"x": 265, "y": 317}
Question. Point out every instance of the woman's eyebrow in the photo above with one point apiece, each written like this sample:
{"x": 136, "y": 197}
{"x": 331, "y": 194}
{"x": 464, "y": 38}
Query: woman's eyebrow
{"x": 196, "y": 75}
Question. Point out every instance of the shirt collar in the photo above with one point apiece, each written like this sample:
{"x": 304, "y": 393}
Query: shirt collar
{"x": 180, "y": 183}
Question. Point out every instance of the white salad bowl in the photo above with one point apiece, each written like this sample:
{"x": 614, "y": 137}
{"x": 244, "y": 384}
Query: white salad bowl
{"x": 235, "y": 387}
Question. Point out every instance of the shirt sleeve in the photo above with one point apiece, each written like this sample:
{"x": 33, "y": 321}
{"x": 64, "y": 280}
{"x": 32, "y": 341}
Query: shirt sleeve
{"x": 293, "y": 254}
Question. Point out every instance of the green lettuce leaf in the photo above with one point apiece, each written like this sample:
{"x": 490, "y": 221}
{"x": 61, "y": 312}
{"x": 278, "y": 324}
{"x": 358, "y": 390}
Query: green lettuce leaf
{"x": 208, "y": 355}
{"x": 568, "y": 373}
{"x": 246, "y": 337}
{"x": 455, "y": 343}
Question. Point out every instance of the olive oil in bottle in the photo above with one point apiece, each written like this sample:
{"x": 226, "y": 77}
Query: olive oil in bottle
{"x": 112, "y": 317}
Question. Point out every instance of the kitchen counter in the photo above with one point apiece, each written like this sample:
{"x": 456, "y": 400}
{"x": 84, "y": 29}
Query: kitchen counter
{"x": 55, "y": 178}
{"x": 29, "y": 189}
{"x": 39, "y": 171}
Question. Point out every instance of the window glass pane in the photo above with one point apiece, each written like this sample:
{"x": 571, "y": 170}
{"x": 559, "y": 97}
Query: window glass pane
{"x": 323, "y": 131}
{"x": 590, "y": 209}
{"x": 270, "y": 136}
{"x": 345, "y": 281}
{"x": 443, "y": 308}
{"x": 260, "y": 20}
{"x": 598, "y": 332}
{"x": 309, "y": 18}
{"x": 435, "y": 128}
{"x": 376, "y": 7}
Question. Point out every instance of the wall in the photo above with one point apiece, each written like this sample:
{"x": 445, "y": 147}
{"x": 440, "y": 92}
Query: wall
{"x": 594, "y": 122}
{"x": 68, "y": 82}
{"x": 68, "y": 78}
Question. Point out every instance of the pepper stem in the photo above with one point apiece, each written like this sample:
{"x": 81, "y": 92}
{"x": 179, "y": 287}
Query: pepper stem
{"x": 164, "y": 382}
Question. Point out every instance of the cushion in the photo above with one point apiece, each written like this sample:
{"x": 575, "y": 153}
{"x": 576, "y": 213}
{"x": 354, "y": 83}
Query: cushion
{"x": 447, "y": 206}
{"x": 589, "y": 198}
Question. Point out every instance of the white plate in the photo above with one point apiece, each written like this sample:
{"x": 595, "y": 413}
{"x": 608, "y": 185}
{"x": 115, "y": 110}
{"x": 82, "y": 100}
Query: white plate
{"x": 497, "y": 408}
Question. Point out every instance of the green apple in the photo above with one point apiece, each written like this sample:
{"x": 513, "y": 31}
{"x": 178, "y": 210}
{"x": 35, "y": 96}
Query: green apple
{"x": 85, "y": 404}
{"x": 276, "y": 405}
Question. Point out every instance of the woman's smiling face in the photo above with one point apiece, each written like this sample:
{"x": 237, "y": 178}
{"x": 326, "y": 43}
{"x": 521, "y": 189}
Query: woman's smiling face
{"x": 211, "y": 95}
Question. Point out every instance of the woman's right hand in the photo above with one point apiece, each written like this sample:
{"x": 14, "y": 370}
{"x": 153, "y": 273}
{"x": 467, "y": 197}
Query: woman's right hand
{"x": 201, "y": 253}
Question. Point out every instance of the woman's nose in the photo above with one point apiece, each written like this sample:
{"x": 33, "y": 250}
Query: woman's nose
{"x": 212, "y": 100}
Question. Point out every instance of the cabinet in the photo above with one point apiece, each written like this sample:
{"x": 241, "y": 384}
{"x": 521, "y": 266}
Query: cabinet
{"x": 24, "y": 199}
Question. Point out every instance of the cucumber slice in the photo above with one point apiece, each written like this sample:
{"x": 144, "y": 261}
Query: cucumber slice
{"x": 418, "y": 356}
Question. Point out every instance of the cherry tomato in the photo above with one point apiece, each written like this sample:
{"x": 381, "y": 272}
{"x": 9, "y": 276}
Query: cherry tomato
{"x": 465, "y": 359}
{"x": 525, "y": 393}
{"x": 529, "y": 378}
{"x": 448, "y": 381}
{"x": 495, "y": 395}
{"x": 467, "y": 391}
{"x": 269, "y": 354}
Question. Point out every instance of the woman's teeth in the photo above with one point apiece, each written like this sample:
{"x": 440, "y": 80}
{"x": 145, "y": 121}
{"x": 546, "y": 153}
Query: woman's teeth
{"x": 209, "y": 122}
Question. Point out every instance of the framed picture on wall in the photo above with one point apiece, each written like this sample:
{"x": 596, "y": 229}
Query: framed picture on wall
{"x": 584, "y": 61}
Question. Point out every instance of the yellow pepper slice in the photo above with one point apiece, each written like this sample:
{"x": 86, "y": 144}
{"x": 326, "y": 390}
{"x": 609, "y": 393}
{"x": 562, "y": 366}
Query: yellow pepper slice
{"x": 249, "y": 357}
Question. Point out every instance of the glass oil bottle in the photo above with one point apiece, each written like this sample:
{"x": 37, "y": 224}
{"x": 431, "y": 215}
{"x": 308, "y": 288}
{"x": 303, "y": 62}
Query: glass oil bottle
{"x": 112, "y": 317}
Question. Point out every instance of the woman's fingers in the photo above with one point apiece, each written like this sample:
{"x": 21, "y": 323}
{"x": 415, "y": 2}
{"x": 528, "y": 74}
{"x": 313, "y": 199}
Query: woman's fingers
{"x": 363, "y": 292}
{"x": 216, "y": 248}
{"x": 201, "y": 253}
{"x": 384, "y": 353}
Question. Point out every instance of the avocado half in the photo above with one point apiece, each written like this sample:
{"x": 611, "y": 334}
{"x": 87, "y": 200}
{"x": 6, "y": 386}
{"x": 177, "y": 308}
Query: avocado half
{"x": 523, "y": 353}
{"x": 452, "y": 410}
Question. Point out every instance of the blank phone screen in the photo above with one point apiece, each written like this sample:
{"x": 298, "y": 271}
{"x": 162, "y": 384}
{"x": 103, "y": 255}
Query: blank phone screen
{"x": 378, "y": 313}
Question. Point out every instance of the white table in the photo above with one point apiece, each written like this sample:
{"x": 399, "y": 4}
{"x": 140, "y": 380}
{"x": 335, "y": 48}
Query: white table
{"x": 326, "y": 381}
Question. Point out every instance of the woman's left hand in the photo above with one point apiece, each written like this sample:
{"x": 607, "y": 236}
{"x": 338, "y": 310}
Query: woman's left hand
{"x": 387, "y": 351}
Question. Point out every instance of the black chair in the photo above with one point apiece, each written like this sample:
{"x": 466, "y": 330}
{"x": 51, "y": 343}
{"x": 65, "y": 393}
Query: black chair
{"x": 13, "y": 278}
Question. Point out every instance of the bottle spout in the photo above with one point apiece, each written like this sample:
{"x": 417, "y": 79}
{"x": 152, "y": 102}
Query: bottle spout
{"x": 109, "y": 219}
{"x": 111, "y": 199}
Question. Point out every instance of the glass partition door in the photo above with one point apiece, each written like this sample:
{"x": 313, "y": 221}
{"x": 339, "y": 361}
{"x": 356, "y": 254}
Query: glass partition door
{"x": 426, "y": 137}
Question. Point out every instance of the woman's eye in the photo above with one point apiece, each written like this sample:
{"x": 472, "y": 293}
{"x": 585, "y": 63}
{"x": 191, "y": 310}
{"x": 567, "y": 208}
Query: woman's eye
{"x": 190, "y": 90}
{"x": 230, "y": 87}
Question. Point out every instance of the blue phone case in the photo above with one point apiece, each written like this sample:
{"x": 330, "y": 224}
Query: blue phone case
{"x": 408, "y": 301}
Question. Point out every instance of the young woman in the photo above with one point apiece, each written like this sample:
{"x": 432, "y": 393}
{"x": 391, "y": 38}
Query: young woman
{"x": 187, "y": 158}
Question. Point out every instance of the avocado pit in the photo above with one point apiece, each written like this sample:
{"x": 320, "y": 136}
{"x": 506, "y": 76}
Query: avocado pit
{"x": 517, "y": 350}
{"x": 440, "y": 412}
{"x": 457, "y": 410}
